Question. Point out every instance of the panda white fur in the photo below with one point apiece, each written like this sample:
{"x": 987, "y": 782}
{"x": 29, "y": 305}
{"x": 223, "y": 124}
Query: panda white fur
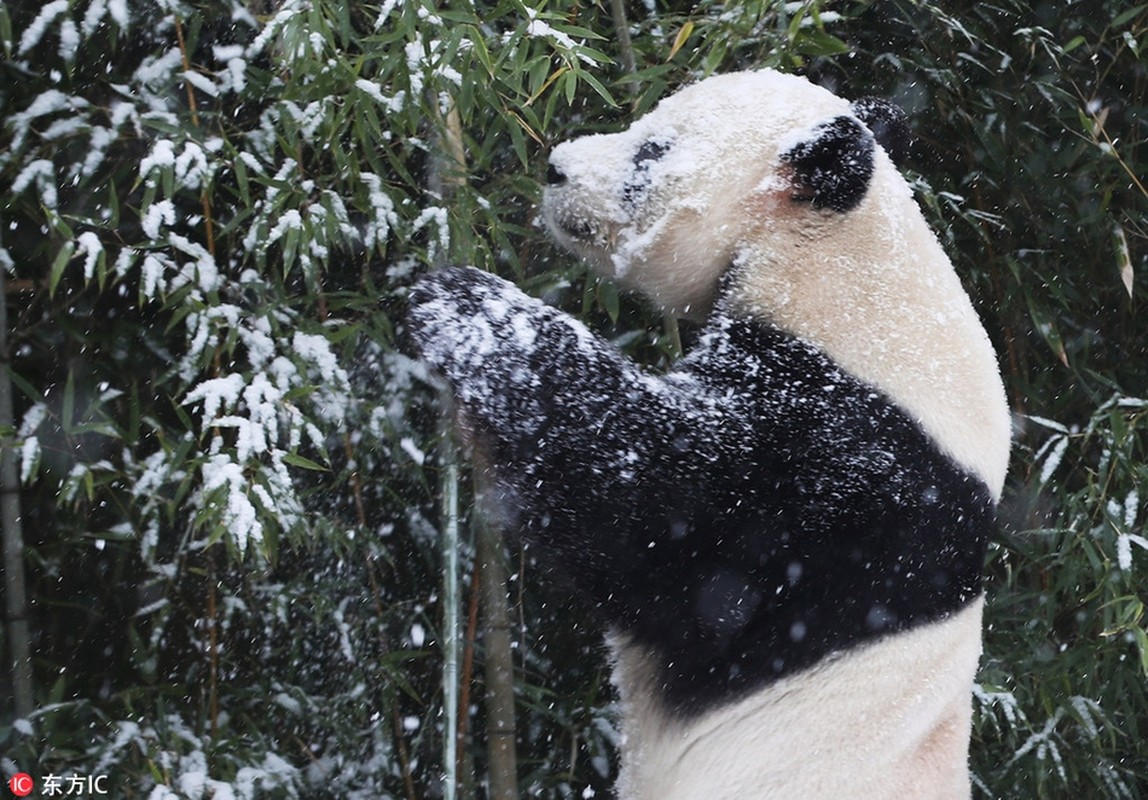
{"x": 784, "y": 534}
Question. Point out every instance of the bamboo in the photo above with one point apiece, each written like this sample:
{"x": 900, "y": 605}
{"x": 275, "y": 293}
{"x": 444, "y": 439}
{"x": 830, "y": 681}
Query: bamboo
{"x": 468, "y": 662}
{"x": 499, "y": 666}
{"x": 622, "y": 27}
{"x": 449, "y": 173}
{"x": 450, "y": 636}
{"x": 14, "y": 587}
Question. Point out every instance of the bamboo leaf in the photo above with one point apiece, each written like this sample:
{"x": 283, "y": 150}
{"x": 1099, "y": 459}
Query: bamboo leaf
{"x": 679, "y": 40}
{"x": 1142, "y": 645}
{"x": 1046, "y": 326}
{"x": 242, "y": 180}
{"x": 1074, "y": 43}
{"x": 558, "y": 73}
{"x": 296, "y": 460}
{"x": 813, "y": 42}
{"x": 482, "y": 53}
{"x": 1128, "y": 15}
{"x": 58, "y": 266}
{"x": 609, "y": 299}
{"x": 598, "y": 87}
{"x": 1124, "y": 260}
{"x": 113, "y": 205}
{"x": 6, "y": 31}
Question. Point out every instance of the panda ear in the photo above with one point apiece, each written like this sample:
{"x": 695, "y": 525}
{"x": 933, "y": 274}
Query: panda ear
{"x": 833, "y": 164}
{"x": 888, "y": 123}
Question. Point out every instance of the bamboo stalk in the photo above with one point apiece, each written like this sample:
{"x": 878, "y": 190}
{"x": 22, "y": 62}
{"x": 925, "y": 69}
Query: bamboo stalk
{"x": 447, "y": 173}
{"x": 622, "y": 28}
{"x": 14, "y": 587}
{"x": 450, "y": 635}
{"x": 468, "y": 661}
{"x": 209, "y": 238}
{"x": 451, "y": 174}
{"x": 212, "y": 648}
{"x": 499, "y": 667}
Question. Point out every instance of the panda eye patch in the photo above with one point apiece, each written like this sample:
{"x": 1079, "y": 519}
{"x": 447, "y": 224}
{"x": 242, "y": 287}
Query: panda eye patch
{"x": 651, "y": 150}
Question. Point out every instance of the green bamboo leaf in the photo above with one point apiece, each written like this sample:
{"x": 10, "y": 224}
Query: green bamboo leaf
{"x": 296, "y": 460}
{"x": 595, "y": 55}
{"x": 58, "y": 266}
{"x": 482, "y": 53}
{"x": 1124, "y": 260}
{"x": 1128, "y": 15}
{"x": 270, "y": 543}
{"x": 242, "y": 180}
{"x": 113, "y": 205}
{"x": 1074, "y": 43}
{"x": 518, "y": 141}
{"x": 576, "y": 31}
{"x": 1142, "y": 645}
{"x": 290, "y": 249}
{"x": 6, "y": 31}
{"x": 102, "y": 269}
{"x": 1046, "y": 326}
{"x": 597, "y": 86}
{"x": 26, "y": 388}
{"x": 103, "y": 428}
{"x": 1130, "y": 40}
{"x": 538, "y": 72}
{"x": 609, "y": 299}
{"x": 56, "y": 695}
{"x": 462, "y": 17}
{"x": 793, "y": 29}
{"x": 818, "y": 43}
{"x": 561, "y": 72}
{"x": 570, "y": 84}
{"x": 59, "y": 225}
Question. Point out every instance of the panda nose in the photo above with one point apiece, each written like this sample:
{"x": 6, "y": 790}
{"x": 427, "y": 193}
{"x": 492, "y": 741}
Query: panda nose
{"x": 555, "y": 176}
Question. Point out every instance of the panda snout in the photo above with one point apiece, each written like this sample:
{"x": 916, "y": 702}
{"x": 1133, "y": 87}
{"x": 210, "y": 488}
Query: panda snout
{"x": 554, "y": 176}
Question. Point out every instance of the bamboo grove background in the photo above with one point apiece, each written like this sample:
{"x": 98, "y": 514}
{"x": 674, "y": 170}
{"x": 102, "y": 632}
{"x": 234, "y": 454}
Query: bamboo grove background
{"x": 224, "y": 565}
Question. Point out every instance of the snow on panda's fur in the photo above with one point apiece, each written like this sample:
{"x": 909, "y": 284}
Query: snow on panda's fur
{"x": 783, "y": 535}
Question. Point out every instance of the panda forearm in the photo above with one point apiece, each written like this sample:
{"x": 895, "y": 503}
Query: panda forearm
{"x": 538, "y": 389}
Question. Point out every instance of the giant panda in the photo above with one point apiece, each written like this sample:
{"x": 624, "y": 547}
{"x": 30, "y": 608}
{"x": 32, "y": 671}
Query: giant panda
{"x": 783, "y": 534}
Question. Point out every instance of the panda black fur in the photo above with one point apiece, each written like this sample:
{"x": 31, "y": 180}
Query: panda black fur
{"x": 784, "y": 534}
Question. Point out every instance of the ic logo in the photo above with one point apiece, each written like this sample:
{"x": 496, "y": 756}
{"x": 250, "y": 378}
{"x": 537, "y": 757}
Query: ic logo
{"x": 21, "y": 784}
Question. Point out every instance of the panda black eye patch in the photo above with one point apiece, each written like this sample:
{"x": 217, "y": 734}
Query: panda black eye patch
{"x": 651, "y": 150}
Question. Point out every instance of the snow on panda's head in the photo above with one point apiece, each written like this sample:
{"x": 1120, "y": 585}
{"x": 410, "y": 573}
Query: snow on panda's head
{"x": 791, "y": 191}
{"x": 667, "y": 205}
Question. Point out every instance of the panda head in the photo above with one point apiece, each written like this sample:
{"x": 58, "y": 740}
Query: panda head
{"x": 715, "y": 171}
{"x": 789, "y": 199}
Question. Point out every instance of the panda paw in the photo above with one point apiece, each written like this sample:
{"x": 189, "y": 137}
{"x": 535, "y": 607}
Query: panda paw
{"x": 467, "y": 323}
{"x": 464, "y": 288}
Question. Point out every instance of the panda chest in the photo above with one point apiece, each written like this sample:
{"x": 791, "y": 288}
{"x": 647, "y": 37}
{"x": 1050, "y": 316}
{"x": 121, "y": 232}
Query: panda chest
{"x": 831, "y": 522}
